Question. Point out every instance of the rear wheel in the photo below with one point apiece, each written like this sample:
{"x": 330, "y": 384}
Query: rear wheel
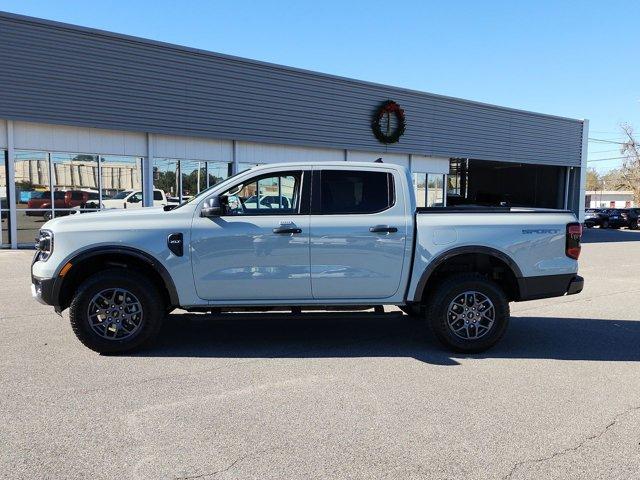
{"x": 633, "y": 225}
{"x": 468, "y": 313}
{"x": 605, "y": 224}
{"x": 116, "y": 311}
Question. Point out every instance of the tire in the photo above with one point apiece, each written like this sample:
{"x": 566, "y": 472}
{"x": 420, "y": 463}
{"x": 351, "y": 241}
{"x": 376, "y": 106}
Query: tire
{"x": 604, "y": 224}
{"x": 589, "y": 224}
{"x": 446, "y": 296}
{"x": 142, "y": 329}
{"x": 47, "y": 216}
{"x": 633, "y": 225}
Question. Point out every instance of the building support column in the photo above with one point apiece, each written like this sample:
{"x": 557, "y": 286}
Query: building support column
{"x": 11, "y": 187}
{"x": 234, "y": 157}
{"x": 583, "y": 170}
{"x": 147, "y": 173}
{"x": 567, "y": 187}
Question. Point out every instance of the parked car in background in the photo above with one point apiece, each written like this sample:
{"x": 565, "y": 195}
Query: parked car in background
{"x": 633, "y": 218}
{"x": 133, "y": 199}
{"x": 593, "y": 217}
{"x": 267, "y": 201}
{"x": 616, "y": 218}
{"x": 40, "y": 202}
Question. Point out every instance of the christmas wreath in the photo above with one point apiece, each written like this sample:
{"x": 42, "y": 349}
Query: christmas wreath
{"x": 381, "y": 124}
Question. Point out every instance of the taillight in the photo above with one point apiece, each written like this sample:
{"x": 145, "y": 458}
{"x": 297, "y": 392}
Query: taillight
{"x": 574, "y": 234}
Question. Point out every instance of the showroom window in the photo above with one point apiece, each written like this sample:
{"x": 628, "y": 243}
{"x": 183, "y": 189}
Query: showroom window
{"x": 429, "y": 189}
{"x": 34, "y": 198}
{"x": 75, "y": 183}
{"x": 121, "y": 181}
{"x": 4, "y": 202}
{"x": 182, "y": 179}
{"x": 420, "y": 188}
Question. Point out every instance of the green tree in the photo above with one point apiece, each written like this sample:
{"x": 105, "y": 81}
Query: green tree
{"x": 594, "y": 182}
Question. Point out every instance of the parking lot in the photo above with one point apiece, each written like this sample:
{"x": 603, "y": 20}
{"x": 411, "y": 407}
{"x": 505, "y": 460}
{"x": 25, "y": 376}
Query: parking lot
{"x": 329, "y": 395}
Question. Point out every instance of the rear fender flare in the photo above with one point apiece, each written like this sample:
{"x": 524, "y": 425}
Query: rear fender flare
{"x": 454, "y": 252}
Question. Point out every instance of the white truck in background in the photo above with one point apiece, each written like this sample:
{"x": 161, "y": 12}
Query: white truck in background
{"x": 339, "y": 235}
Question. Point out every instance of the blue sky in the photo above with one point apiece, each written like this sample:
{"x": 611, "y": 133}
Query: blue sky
{"x": 578, "y": 59}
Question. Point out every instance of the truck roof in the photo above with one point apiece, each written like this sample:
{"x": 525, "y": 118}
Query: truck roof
{"x": 381, "y": 165}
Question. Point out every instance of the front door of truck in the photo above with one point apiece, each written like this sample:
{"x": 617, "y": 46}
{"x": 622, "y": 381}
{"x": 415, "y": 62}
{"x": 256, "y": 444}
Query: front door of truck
{"x": 258, "y": 249}
{"x": 358, "y": 234}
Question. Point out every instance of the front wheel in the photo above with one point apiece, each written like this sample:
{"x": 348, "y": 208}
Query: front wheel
{"x": 116, "y": 311}
{"x": 468, "y": 313}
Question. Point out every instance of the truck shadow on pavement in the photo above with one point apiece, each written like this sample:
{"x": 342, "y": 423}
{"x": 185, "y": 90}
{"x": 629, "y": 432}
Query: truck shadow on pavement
{"x": 350, "y": 335}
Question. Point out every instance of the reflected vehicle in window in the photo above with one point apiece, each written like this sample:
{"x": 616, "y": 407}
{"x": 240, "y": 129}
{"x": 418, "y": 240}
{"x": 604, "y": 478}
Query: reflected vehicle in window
{"x": 133, "y": 199}
{"x": 269, "y": 201}
{"x": 40, "y": 202}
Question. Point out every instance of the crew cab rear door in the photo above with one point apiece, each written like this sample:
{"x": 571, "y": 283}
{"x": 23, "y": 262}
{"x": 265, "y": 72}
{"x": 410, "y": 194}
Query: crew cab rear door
{"x": 358, "y": 233}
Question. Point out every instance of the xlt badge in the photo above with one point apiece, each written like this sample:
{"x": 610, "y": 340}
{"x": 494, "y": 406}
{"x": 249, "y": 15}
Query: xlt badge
{"x": 175, "y": 244}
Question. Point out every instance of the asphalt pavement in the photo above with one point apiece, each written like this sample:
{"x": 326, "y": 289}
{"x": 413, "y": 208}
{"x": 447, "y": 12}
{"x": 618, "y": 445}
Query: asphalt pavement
{"x": 331, "y": 396}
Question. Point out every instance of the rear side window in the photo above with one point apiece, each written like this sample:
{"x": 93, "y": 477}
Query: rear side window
{"x": 157, "y": 195}
{"x": 349, "y": 191}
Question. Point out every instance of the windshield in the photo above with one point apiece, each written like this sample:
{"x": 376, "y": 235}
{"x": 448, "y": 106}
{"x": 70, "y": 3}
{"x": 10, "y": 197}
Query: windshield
{"x": 40, "y": 194}
{"x": 122, "y": 195}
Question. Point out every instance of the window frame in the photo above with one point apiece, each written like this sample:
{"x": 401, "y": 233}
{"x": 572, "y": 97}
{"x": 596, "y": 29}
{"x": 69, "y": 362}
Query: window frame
{"x": 316, "y": 191}
{"x": 303, "y": 187}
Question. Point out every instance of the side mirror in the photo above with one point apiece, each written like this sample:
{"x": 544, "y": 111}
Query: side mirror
{"x": 213, "y": 207}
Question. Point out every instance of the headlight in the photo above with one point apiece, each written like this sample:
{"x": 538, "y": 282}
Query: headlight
{"x": 44, "y": 244}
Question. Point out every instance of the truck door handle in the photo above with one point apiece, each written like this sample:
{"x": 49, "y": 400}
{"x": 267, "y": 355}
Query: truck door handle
{"x": 287, "y": 230}
{"x": 383, "y": 229}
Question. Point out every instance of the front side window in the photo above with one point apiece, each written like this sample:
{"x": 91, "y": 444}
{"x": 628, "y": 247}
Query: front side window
{"x": 266, "y": 195}
{"x": 347, "y": 191}
{"x": 157, "y": 195}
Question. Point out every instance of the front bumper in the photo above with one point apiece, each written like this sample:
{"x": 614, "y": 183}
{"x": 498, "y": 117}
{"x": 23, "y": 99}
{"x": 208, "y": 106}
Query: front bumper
{"x": 43, "y": 290}
{"x": 547, "y": 286}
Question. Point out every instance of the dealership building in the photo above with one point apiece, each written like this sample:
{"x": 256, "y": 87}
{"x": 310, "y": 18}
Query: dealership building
{"x": 87, "y": 115}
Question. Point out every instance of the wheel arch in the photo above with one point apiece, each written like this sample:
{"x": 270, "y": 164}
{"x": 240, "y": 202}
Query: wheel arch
{"x": 487, "y": 260}
{"x": 90, "y": 261}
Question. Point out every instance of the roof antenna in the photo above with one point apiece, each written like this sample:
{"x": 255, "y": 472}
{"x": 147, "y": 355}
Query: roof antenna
{"x": 379, "y": 160}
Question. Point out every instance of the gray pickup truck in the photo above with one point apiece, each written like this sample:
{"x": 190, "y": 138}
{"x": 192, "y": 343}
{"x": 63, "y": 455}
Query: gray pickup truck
{"x": 296, "y": 236}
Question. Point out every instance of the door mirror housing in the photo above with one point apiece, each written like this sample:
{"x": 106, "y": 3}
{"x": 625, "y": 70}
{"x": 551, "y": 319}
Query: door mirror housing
{"x": 213, "y": 207}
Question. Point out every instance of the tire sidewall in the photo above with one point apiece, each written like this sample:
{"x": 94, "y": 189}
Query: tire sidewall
{"x": 152, "y": 310}
{"x": 445, "y": 295}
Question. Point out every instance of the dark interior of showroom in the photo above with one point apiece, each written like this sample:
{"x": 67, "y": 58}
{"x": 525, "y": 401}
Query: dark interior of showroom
{"x": 482, "y": 182}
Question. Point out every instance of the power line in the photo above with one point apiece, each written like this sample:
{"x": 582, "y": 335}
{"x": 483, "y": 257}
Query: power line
{"x": 604, "y": 151}
{"x": 600, "y": 140}
{"x": 604, "y": 159}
